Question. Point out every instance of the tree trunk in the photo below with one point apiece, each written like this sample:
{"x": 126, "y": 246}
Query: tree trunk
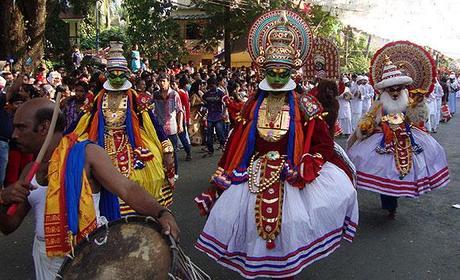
{"x": 227, "y": 42}
{"x": 23, "y": 31}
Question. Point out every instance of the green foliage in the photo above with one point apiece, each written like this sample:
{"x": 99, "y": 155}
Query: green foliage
{"x": 88, "y": 41}
{"x": 357, "y": 61}
{"x": 150, "y": 26}
{"x": 56, "y": 33}
{"x": 237, "y": 20}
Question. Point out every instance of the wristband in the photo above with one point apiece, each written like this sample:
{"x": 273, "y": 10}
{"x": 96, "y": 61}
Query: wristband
{"x": 162, "y": 211}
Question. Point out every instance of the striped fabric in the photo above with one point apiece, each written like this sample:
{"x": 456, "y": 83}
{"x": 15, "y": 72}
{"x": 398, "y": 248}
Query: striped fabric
{"x": 277, "y": 267}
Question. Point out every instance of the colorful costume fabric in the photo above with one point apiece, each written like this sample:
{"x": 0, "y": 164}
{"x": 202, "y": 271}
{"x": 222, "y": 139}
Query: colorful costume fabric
{"x": 121, "y": 121}
{"x": 70, "y": 213}
{"x": 290, "y": 205}
{"x": 135, "y": 149}
{"x": 395, "y": 156}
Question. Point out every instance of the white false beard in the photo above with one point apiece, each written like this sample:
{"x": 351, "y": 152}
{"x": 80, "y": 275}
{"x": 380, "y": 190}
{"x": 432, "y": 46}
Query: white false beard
{"x": 395, "y": 106}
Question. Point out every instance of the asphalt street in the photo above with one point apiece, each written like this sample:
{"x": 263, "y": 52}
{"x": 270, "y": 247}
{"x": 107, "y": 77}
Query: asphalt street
{"x": 422, "y": 243}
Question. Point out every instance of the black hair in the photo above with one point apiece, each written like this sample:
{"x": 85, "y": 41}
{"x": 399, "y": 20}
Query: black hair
{"x": 164, "y": 76}
{"x": 327, "y": 93}
{"x": 46, "y": 114}
{"x": 183, "y": 81}
{"x": 62, "y": 88}
{"x": 82, "y": 84}
{"x": 32, "y": 90}
{"x": 212, "y": 81}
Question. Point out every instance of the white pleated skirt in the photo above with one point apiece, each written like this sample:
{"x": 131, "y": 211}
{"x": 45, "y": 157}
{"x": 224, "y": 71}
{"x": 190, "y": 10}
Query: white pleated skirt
{"x": 378, "y": 173}
{"x": 314, "y": 221}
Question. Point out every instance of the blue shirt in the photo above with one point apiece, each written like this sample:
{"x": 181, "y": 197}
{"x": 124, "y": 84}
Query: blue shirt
{"x": 214, "y": 104}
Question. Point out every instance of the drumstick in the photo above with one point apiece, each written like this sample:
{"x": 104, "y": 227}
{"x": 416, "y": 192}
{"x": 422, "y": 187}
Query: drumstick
{"x": 36, "y": 164}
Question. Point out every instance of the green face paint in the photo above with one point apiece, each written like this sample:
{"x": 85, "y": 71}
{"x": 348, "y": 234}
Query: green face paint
{"x": 278, "y": 77}
{"x": 117, "y": 78}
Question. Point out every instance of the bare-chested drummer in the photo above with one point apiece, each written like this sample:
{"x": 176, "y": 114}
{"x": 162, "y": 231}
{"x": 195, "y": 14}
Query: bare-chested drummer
{"x": 70, "y": 177}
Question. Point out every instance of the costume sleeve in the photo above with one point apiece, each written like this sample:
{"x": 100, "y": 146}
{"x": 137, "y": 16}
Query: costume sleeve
{"x": 158, "y": 128}
{"x": 322, "y": 142}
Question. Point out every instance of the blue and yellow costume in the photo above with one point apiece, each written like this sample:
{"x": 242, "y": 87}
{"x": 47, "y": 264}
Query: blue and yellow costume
{"x": 121, "y": 121}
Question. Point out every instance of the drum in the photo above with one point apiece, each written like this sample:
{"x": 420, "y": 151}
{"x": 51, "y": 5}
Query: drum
{"x": 130, "y": 248}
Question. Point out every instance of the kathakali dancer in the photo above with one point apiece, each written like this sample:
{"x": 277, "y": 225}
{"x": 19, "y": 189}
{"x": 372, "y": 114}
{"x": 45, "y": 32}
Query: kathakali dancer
{"x": 121, "y": 120}
{"x": 289, "y": 206}
{"x": 393, "y": 155}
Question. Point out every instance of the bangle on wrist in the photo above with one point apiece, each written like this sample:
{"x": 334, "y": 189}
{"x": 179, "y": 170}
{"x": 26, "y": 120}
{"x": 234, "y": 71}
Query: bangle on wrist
{"x": 162, "y": 212}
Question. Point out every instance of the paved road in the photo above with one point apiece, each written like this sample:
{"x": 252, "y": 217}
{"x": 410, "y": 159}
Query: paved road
{"x": 423, "y": 243}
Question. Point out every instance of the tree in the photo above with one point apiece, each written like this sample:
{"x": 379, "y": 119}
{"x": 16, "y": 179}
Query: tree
{"x": 229, "y": 20}
{"x": 23, "y": 30}
{"x": 355, "y": 55}
{"x": 150, "y": 26}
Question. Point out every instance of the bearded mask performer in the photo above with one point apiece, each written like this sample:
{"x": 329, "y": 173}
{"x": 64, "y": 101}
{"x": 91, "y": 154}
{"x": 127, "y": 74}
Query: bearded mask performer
{"x": 121, "y": 121}
{"x": 289, "y": 206}
{"x": 392, "y": 154}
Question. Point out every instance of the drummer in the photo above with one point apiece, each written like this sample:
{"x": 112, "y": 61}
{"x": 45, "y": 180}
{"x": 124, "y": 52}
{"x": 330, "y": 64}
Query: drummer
{"x": 70, "y": 178}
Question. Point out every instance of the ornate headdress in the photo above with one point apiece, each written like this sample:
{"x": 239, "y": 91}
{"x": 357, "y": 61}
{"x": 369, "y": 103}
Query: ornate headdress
{"x": 324, "y": 60}
{"x": 279, "y": 38}
{"x": 116, "y": 60}
{"x": 403, "y": 63}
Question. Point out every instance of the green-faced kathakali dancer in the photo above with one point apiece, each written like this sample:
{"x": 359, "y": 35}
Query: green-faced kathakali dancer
{"x": 121, "y": 120}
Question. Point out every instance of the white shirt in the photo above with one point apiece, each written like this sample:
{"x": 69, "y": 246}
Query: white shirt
{"x": 438, "y": 91}
{"x": 344, "y": 105}
{"x": 37, "y": 200}
{"x": 357, "y": 100}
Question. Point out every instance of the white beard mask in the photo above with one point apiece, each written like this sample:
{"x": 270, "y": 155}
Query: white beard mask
{"x": 392, "y": 106}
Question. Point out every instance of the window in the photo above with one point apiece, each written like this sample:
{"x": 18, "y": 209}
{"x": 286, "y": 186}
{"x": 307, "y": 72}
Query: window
{"x": 193, "y": 31}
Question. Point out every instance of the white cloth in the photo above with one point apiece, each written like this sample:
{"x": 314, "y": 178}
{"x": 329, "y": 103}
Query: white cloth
{"x": 127, "y": 85}
{"x": 290, "y": 85}
{"x": 355, "y": 117}
{"x": 438, "y": 93}
{"x": 314, "y": 221}
{"x": 345, "y": 124}
{"x": 378, "y": 172}
{"x": 45, "y": 267}
{"x": 357, "y": 101}
{"x": 431, "y": 104}
{"x": 368, "y": 96}
{"x": 438, "y": 110}
{"x": 344, "y": 105}
{"x": 344, "y": 114}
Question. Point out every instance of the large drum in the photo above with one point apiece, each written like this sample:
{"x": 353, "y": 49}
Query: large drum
{"x": 130, "y": 248}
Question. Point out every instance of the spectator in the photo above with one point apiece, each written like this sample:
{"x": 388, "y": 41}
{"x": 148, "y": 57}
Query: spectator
{"x": 213, "y": 100}
{"x": 168, "y": 110}
{"x": 184, "y": 98}
{"x": 135, "y": 59}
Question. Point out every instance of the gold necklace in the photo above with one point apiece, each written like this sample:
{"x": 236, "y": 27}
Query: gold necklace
{"x": 274, "y": 106}
{"x": 114, "y": 100}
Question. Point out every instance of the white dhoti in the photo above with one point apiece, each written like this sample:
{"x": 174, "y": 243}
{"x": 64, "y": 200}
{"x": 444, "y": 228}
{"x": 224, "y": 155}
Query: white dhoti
{"x": 344, "y": 116}
{"x": 438, "y": 110}
{"x": 431, "y": 122}
{"x": 355, "y": 117}
{"x": 46, "y": 268}
{"x": 367, "y": 102}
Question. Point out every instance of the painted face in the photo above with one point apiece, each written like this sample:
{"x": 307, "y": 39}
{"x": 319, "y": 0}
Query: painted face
{"x": 278, "y": 77}
{"x": 395, "y": 91}
{"x": 117, "y": 78}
